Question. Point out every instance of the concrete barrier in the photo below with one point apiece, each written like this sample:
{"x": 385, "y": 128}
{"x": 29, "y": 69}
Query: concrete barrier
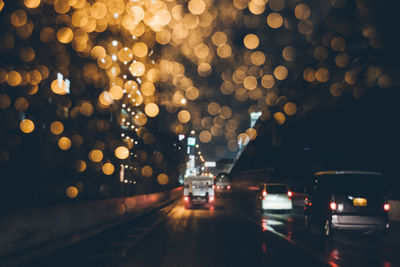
{"x": 27, "y": 229}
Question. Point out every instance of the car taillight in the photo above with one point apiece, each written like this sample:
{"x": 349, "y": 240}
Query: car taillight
{"x": 186, "y": 199}
{"x": 211, "y": 199}
{"x": 386, "y": 207}
{"x": 333, "y": 206}
{"x": 289, "y": 193}
{"x": 229, "y": 187}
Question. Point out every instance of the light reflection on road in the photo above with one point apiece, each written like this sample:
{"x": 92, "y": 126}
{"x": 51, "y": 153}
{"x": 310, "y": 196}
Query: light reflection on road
{"x": 345, "y": 249}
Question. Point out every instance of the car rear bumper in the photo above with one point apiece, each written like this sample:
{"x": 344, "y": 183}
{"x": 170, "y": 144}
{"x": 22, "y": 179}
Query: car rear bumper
{"x": 352, "y": 222}
{"x": 200, "y": 200}
{"x": 276, "y": 205}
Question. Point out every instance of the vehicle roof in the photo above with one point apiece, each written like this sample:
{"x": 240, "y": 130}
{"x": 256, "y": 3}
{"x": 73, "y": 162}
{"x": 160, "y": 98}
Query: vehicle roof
{"x": 199, "y": 177}
{"x": 338, "y": 172}
{"x": 275, "y": 184}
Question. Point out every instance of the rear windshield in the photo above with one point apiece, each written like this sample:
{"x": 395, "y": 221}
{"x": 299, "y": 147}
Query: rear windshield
{"x": 350, "y": 183}
{"x": 223, "y": 176}
{"x": 276, "y": 189}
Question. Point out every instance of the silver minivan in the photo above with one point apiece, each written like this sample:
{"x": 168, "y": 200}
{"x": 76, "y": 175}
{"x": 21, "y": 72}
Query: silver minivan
{"x": 346, "y": 200}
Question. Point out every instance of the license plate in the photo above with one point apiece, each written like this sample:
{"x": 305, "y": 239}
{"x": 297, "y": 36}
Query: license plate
{"x": 360, "y": 202}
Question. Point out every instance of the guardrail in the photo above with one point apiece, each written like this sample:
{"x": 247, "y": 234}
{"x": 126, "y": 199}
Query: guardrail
{"x": 28, "y": 229}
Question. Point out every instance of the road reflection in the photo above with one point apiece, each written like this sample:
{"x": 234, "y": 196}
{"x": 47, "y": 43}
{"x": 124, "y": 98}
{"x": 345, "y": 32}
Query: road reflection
{"x": 345, "y": 249}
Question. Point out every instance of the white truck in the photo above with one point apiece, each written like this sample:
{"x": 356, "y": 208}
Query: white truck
{"x": 198, "y": 190}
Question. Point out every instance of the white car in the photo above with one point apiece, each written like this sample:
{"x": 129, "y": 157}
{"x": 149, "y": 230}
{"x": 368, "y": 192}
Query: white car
{"x": 275, "y": 197}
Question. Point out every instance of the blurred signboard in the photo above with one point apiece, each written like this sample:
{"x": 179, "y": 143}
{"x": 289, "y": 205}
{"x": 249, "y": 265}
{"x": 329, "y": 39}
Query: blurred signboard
{"x": 191, "y": 162}
{"x": 210, "y": 164}
{"x": 191, "y": 141}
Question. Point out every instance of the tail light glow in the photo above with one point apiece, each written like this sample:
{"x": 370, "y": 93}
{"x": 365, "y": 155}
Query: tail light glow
{"x": 289, "y": 193}
{"x": 333, "y": 206}
{"x": 386, "y": 207}
{"x": 211, "y": 199}
{"x": 229, "y": 187}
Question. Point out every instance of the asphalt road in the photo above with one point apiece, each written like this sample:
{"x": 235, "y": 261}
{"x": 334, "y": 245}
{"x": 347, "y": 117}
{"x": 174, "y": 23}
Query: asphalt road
{"x": 345, "y": 249}
{"x": 232, "y": 233}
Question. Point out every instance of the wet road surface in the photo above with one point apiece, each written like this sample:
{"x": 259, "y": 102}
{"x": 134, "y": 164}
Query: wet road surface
{"x": 345, "y": 249}
{"x": 232, "y": 233}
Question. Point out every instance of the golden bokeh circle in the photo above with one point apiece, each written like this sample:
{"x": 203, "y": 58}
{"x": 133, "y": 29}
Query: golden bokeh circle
{"x": 151, "y": 109}
{"x": 162, "y": 179}
{"x": 65, "y": 35}
{"x": 80, "y": 166}
{"x": 290, "y": 108}
{"x": 147, "y": 171}
{"x": 184, "y": 116}
{"x": 108, "y": 168}
{"x": 251, "y": 41}
{"x": 64, "y": 143}
{"x": 71, "y": 192}
{"x": 121, "y": 152}
{"x": 32, "y": 3}
{"x": 56, "y": 127}
{"x": 5, "y": 101}
{"x": 279, "y": 117}
{"x": 95, "y": 155}
{"x": 274, "y": 20}
{"x": 27, "y": 126}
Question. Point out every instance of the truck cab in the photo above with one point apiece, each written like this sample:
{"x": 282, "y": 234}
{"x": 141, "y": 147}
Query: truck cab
{"x": 198, "y": 190}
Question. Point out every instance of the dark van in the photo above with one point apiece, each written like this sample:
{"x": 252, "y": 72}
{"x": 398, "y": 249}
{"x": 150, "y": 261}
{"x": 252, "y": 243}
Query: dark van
{"x": 346, "y": 200}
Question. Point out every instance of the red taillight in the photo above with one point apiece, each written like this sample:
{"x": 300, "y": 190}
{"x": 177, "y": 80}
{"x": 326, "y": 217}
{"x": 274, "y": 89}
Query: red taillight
{"x": 289, "y": 193}
{"x": 386, "y": 207}
{"x": 264, "y": 193}
{"x": 186, "y": 199}
{"x": 211, "y": 199}
{"x": 333, "y": 206}
{"x": 229, "y": 187}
